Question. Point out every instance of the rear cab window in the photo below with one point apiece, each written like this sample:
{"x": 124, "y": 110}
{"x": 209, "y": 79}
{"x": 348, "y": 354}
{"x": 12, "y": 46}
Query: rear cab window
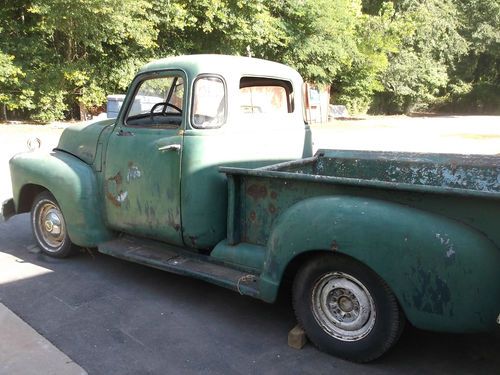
{"x": 265, "y": 97}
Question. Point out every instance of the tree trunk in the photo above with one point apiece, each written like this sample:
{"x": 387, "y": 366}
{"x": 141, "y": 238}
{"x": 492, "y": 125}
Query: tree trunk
{"x": 4, "y": 112}
{"x": 84, "y": 114}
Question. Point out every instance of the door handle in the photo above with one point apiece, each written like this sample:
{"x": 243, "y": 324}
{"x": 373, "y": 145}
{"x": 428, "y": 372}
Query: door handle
{"x": 174, "y": 147}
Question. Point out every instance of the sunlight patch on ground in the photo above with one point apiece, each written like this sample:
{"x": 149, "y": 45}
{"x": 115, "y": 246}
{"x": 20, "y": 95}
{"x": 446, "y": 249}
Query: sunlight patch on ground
{"x": 13, "y": 269}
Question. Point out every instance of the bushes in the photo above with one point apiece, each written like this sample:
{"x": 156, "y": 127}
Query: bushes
{"x": 50, "y": 106}
{"x": 482, "y": 98}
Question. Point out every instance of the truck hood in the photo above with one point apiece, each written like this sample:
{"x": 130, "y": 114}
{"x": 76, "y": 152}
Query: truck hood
{"x": 81, "y": 140}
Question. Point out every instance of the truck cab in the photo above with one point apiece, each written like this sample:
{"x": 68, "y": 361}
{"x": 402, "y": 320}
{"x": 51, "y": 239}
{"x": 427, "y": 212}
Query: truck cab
{"x": 153, "y": 171}
{"x": 160, "y": 178}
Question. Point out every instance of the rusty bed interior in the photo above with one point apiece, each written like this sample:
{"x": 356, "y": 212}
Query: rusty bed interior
{"x": 479, "y": 173}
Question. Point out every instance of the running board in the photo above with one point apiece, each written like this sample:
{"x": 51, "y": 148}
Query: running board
{"x": 179, "y": 261}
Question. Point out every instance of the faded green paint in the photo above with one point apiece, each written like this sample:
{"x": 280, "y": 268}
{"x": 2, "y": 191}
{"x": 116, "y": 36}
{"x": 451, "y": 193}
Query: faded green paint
{"x": 73, "y": 184}
{"x": 438, "y": 252}
{"x": 82, "y": 140}
{"x": 141, "y": 184}
{"x": 243, "y": 255}
{"x": 427, "y": 224}
{"x": 196, "y": 208}
{"x": 204, "y": 197}
{"x": 142, "y": 187}
{"x": 444, "y": 273}
{"x": 470, "y": 174}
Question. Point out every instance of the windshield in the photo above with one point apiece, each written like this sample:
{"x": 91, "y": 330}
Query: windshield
{"x": 158, "y": 101}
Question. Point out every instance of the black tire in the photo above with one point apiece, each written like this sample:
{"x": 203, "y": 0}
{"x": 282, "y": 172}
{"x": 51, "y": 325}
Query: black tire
{"x": 343, "y": 284}
{"x": 49, "y": 226}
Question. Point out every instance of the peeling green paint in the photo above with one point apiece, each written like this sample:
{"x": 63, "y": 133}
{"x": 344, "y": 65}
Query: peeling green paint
{"x": 437, "y": 246}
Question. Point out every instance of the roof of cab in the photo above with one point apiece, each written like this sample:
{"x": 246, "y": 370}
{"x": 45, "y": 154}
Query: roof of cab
{"x": 222, "y": 64}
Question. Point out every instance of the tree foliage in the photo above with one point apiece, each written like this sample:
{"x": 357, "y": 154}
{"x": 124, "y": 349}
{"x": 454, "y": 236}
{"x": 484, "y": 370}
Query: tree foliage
{"x": 319, "y": 36}
{"x": 419, "y": 70}
{"x": 57, "y": 56}
{"x": 475, "y": 82}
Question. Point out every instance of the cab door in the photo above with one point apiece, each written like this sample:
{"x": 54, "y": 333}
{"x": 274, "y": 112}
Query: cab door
{"x": 143, "y": 159}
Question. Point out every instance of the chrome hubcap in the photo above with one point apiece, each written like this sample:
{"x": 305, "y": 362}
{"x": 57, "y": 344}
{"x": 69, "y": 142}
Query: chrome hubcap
{"x": 343, "y": 307}
{"x": 51, "y": 225}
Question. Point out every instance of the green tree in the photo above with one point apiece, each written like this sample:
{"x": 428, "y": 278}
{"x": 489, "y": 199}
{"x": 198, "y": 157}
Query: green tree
{"x": 376, "y": 37}
{"x": 13, "y": 95}
{"x": 67, "y": 50}
{"x": 418, "y": 72}
{"x": 87, "y": 36}
{"x": 207, "y": 26}
{"x": 319, "y": 36}
{"x": 475, "y": 80}
{"x": 57, "y": 55}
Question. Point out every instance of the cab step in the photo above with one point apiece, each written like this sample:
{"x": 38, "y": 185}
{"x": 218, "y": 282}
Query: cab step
{"x": 182, "y": 262}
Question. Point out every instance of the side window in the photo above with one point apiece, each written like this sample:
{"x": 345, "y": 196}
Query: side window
{"x": 157, "y": 102}
{"x": 209, "y": 103}
{"x": 265, "y": 96}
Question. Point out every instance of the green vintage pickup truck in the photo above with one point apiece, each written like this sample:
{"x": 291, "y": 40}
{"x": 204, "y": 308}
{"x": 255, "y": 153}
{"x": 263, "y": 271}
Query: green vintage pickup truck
{"x": 208, "y": 172}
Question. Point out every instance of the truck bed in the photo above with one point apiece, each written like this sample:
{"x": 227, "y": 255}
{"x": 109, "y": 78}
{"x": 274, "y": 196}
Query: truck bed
{"x": 463, "y": 187}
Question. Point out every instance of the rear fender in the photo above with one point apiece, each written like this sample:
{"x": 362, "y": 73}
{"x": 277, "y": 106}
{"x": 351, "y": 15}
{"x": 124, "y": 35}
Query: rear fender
{"x": 72, "y": 182}
{"x": 444, "y": 273}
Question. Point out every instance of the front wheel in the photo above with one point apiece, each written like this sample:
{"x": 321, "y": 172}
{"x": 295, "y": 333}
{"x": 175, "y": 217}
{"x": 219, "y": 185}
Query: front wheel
{"x": 346, "y": 309}
{"x": 49, "y": 226}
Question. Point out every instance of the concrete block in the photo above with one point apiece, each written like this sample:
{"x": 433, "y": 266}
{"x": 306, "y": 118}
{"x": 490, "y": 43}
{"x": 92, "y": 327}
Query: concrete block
{"x": 297, "y": 337}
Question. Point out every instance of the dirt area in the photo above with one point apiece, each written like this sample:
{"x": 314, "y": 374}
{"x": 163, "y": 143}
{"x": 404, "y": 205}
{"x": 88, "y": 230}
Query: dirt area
{"x": 444, "y": 134}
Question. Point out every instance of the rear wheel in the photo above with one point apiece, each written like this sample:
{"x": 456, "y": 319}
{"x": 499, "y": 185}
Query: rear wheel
{"x": 346, "y": 309}
{"x": 49, "y": 226}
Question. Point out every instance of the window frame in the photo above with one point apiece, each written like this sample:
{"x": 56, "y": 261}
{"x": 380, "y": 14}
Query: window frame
{"x": 204, "y": 76}
{"x": 140, "y": 79}
{"x": 262, "y": 81}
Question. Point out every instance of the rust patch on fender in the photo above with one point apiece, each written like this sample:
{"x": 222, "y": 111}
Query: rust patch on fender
{"x": 274, "y": 195}
{"x": 253, "y": 216}
{"x": 257, "y": 191}
{"x": 272, "y": 208}
{"x": 121, "y": 195}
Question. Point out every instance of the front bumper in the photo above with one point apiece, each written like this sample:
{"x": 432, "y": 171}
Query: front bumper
{"x": 8, "y": 210}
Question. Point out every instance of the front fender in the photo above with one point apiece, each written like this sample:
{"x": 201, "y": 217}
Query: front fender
{"x": 444, "y": 273}
{"x": 73, "y": 183}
